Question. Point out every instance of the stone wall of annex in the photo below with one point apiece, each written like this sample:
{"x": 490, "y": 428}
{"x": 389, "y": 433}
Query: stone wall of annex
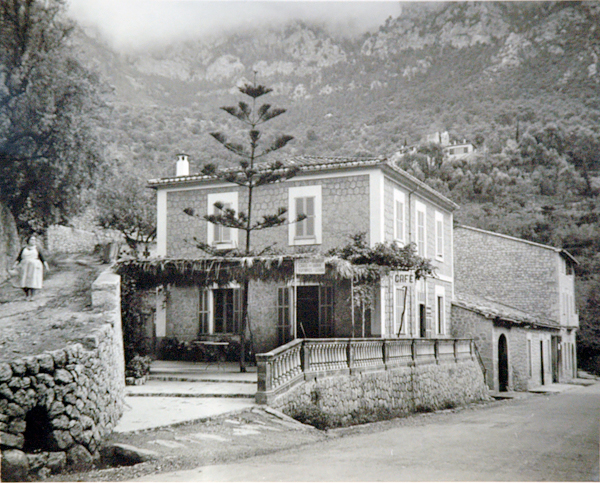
{"x": 518, "y": 273}
{"x": 56, "y": 407}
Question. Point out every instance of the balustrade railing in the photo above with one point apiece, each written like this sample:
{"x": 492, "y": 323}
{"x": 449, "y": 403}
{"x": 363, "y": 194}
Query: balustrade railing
{"x": 302, "y": 358}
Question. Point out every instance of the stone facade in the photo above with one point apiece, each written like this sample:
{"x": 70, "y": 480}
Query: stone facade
{"x": 525, "y": 275}
{"x": 351, "y": 196}
{"x": 56, "y": 407}
{"x": 421, "y": 387}
{"x": 533, "y": 287}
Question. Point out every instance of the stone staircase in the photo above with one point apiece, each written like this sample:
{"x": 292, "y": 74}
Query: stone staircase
{"x": 197, "y": 379}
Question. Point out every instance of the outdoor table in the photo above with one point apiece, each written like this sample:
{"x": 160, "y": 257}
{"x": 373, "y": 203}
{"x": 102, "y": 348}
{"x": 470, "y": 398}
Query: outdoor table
{"x": 215, "y": 351}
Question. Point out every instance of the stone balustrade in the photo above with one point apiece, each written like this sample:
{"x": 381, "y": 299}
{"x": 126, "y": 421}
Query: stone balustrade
{"x": 306, "y": 359}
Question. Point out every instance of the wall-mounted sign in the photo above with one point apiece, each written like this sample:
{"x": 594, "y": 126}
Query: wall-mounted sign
{"x": 310, "y": 266}
{"x": 404, "y": 279}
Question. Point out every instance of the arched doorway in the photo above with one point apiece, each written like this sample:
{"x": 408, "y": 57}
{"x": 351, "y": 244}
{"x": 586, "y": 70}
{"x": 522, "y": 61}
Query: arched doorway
{"x": 502, "y": 363}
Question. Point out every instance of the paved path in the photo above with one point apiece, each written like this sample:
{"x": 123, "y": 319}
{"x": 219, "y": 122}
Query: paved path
{"x": 551, "y": 437}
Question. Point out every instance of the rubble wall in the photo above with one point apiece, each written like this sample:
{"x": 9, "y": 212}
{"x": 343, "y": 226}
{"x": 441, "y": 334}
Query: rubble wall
{"x": 77, "y": 394}
{"x": 413, "y": 388}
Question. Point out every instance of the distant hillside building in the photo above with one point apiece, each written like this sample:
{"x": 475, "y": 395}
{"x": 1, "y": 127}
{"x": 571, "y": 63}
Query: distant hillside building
{"x": 516, "y": 298}
{"x": 452, "y": 149}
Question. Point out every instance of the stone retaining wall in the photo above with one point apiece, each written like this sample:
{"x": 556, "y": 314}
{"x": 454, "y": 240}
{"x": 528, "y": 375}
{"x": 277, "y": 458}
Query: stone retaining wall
{"x": 56, "y": 407}
{"x": 413, "y": 388}
{"x": 65, "y": 239}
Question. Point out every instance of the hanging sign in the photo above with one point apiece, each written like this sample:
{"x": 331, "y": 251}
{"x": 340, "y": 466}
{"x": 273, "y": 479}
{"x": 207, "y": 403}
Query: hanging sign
{"x": 404, "y": 279}
{"x": 310, "y": 266}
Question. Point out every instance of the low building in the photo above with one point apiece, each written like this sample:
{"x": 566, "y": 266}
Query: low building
{"x": 516, "y": 299}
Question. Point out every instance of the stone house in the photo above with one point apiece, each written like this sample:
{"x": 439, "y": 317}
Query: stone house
{"x": 516, "y": 299}
{"x": 340, "y": 197}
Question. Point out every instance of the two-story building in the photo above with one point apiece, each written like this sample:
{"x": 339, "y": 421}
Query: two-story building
{"x": 339, "y": 197}
{"x": 516, "y": 298}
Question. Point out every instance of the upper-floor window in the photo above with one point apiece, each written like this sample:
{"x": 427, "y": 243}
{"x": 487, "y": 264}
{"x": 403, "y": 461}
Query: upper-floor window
{"x": 306, "y": 201}
{"x": 218, "y": 235}
{"x": 399, "y": 204}
{"x": 439, "y": 235}
{"x": 421, "y": 229}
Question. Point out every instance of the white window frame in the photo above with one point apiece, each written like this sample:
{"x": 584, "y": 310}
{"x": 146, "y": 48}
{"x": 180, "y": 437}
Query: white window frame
{"x": 439, "y": 236}
{"x": 313, "y": 191}
{"x": 399, "y": 231}
{"x": 421, "y": 208}
{"x": 210, "y": 309}
{"x": 230, "y": 199}
{"x": 440, "y": 293}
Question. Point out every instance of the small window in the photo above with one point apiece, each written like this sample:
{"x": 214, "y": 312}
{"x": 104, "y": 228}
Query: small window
{"x": 306, "y": 207}
{"x": 222, "y": 234}
{"x": 439, "y": 236}
{"x": 421, "y": 236}
{"x": 218, "y": 235}
{"x": 399, "y": 216}
{"x": 304, "y": 200}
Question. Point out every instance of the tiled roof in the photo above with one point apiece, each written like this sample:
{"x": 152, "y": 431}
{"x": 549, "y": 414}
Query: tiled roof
{"x": 308, "y": 164}
{"x": 492, "y": 309}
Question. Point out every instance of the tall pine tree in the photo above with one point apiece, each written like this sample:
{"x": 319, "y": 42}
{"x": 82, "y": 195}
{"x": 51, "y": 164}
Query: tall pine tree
{"x": 250, "y": 176}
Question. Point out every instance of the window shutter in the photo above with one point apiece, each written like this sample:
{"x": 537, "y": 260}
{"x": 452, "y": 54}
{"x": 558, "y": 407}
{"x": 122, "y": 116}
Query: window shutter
{"x": 325, "y": 311}
{"x": 284, "y": 320}
{"x": 203, "y": 313}
{"x": 310, "y": 217}
{"x": 300, "y": 211}
{"x": 237, "y": 310}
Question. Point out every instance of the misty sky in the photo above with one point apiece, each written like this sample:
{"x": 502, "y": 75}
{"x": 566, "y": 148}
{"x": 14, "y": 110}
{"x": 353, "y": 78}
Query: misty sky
{"x": 138, "y": 23}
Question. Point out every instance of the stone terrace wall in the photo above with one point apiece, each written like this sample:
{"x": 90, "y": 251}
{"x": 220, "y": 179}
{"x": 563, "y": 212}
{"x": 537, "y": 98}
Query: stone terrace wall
{"x": 63, "y": 403}
{"x": 65, "y": 239}
{"x": 421, "y": 387}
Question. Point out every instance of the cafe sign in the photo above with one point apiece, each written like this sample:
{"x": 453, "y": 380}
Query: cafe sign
{"x": 404, "y": 278}
{"x": 310, "y": 266}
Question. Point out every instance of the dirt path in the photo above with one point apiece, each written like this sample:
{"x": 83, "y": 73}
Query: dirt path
{"x": 59, "y": 314}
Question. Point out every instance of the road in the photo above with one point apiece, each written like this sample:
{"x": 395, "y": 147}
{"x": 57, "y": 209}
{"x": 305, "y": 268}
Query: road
{"x": 534, "y": 438}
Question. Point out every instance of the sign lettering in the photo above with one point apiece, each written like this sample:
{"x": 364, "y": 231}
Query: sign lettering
{"x": 310, "y": 267}
{"x": 404, "y": 279}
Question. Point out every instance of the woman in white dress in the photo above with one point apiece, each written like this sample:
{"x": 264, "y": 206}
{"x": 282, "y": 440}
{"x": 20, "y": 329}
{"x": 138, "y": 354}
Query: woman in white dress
{"x": 31, "y": 265}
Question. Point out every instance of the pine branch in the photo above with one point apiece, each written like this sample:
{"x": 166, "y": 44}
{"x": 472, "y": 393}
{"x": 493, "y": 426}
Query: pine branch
{"x": 279, "y": 143}
{"x": 255, "y": 91}
{"x": 233, "y": 147}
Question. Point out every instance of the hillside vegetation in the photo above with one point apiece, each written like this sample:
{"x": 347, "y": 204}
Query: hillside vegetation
{"x": 519, "y": 80}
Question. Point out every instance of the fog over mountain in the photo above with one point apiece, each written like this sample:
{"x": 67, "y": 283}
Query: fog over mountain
{"x": 139, "y": 24}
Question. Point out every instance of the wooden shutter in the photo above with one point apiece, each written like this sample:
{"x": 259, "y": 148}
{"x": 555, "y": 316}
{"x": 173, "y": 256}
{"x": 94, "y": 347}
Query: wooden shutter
{"x": 326, "y": 311}
{"x": 203, "y": 313}
{"x": 284, "y": 319}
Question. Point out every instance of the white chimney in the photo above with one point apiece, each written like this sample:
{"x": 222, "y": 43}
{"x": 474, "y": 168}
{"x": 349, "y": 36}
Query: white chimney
{"x": 183, "y": 166}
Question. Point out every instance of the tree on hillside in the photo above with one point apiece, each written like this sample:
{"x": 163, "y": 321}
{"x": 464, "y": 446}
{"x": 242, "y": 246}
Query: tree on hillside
{"x": 48, "y": 153}
{"x": 249, "y": 176}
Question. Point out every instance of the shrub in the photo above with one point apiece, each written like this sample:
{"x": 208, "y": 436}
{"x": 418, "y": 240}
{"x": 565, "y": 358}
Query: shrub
{"x": 138, "y": 366}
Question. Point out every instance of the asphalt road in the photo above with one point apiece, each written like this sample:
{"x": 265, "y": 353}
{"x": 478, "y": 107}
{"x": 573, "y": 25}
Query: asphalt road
{"x": 535, "y": 438}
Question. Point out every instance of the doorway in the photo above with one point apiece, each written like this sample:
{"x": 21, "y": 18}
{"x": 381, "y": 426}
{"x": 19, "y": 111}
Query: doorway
{"x": 502, "y": 363}
{"x": 542, "y": 362}
{"x": 556, "y": 359}
{"x": 422, "y": 321}
{"x": 307, "y": 311}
